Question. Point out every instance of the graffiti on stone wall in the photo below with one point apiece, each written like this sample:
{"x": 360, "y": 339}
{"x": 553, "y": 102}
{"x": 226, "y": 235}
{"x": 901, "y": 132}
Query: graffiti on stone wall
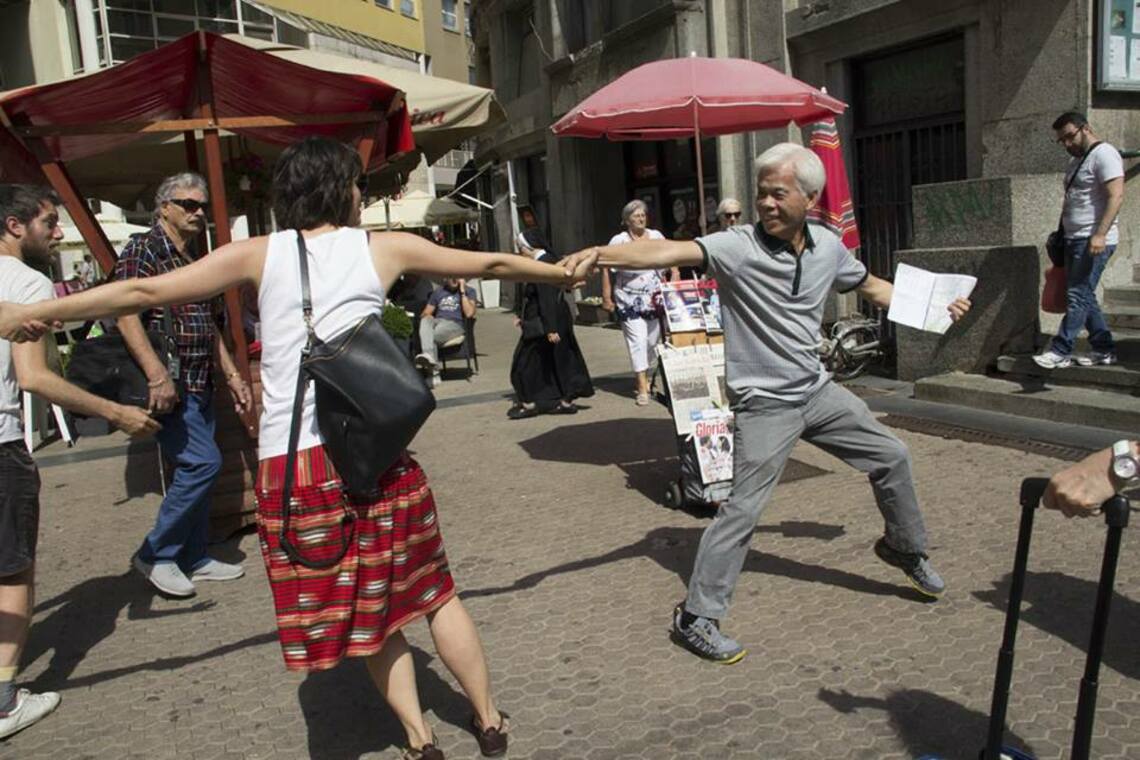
{"x": 959, "y": 204}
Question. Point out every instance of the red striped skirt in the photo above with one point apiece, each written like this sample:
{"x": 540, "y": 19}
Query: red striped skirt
{"x": 395, "y": 569}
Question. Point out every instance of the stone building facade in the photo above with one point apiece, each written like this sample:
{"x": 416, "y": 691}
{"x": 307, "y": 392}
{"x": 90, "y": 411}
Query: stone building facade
{"x": 955, "y": 96}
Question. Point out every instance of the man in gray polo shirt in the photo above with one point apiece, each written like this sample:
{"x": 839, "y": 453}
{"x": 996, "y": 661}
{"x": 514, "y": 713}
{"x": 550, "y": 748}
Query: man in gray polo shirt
{"x": 773, "y": 280}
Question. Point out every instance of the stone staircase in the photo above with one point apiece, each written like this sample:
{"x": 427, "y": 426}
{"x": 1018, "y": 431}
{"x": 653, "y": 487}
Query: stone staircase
{"x": 1106, "y": 397}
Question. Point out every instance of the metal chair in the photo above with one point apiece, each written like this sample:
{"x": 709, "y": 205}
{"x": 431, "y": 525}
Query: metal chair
{"x": 462, "y": 347}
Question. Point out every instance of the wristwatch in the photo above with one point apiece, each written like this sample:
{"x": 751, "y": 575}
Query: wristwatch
{"x": 1125, "y": 467}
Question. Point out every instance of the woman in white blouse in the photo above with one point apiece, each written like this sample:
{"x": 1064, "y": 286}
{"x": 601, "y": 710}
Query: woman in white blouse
{"x": 629, "y": 294}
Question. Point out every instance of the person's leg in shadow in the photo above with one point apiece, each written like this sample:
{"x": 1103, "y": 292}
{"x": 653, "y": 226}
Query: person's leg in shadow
{"x": 457, "y": 642}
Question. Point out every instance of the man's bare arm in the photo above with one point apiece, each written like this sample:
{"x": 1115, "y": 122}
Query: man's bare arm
{"x": 34, "y": 376}
{"x": 649, "y": 254}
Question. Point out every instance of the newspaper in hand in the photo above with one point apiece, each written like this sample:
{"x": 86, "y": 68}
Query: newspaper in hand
{"x": 712, "y": 437}
{"x": 921, "y": 299}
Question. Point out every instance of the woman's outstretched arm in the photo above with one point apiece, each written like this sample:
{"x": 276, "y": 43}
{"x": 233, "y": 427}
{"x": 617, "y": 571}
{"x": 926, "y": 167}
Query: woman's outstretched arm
{"x": 234, "y": 264}
{"x": 395, "y": 253}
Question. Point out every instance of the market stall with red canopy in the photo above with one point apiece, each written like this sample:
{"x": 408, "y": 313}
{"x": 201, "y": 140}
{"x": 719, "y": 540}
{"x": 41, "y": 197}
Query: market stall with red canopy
{"x": 200, "y": 84}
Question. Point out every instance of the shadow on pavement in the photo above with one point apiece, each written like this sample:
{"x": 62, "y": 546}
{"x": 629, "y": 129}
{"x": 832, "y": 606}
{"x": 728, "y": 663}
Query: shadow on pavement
{"x": 674, "y": 549}
{"x": 347, "y": 718}
{"x": 1062, "y": 606}
{"x": 926, "y": 723}
{"x": 141, "y": 472}
{"x": 80, "y": 618}
{"x": 644, "y": 449}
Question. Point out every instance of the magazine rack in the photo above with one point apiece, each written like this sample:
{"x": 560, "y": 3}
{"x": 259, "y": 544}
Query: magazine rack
{"x": 692, "y": 367}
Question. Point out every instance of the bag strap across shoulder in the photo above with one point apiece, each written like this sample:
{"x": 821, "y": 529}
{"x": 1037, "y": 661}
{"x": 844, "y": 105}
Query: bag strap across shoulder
{"x": 295, "y": 426}
{"x": 1069, "y": 184}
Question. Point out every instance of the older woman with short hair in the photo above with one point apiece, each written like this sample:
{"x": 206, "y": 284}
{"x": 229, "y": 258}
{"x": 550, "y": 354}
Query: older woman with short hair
{"x": 629, "y": 294}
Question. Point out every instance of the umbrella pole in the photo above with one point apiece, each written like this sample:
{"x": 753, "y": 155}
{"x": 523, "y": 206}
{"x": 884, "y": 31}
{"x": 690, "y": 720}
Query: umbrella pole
{"x": 387, "y": 216}
{"x": 700, "y": 170}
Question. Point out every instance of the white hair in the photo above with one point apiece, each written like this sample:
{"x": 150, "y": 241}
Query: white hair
{"x": 808, "y": 169}
{"x": 631, "y": 208}
{"x": 724, "y": 204}
{"x": 175, "y": 182}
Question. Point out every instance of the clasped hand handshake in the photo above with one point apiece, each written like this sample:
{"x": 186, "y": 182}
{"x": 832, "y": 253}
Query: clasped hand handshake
{"x": 578, "y": 267}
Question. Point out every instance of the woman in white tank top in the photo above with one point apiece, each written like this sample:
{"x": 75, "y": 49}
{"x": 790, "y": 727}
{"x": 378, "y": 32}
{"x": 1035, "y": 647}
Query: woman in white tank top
{"x": 396, "y": 571}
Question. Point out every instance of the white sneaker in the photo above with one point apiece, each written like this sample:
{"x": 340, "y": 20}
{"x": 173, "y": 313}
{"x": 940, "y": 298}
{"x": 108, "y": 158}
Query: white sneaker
{"x": 423, "y": 361}
{"x": 211, "y": 569}
{"x": 29, "y": 709}
{"x": 1053, "y": 360}
{"x": 165, "y": 576}
{"x": 1094, "y": 358}
{"x": 436, "y": 380}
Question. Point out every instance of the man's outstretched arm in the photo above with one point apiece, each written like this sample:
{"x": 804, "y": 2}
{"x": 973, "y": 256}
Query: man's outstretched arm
{"x": 644, "y": 254}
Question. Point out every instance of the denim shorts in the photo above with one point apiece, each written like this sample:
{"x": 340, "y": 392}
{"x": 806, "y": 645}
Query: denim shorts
{"x": 19, "y": 508}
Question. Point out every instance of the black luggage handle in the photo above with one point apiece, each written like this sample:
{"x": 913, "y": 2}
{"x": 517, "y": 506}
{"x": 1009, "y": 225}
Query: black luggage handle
{"x": 1116, "y": 511}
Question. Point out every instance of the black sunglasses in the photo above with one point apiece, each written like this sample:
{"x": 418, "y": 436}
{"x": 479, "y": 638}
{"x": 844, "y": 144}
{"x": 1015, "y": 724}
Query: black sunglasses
{"x": 189, "y": 205}
{"x": 732, "y": 214}
{"x": 362, "y": 184}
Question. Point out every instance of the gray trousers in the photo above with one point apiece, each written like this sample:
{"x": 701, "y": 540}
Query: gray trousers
{"x": 435, "y": 332}
{"x": 836, "y": 421}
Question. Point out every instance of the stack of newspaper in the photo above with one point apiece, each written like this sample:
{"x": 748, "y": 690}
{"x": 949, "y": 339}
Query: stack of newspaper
{"x": 691, "y": 305}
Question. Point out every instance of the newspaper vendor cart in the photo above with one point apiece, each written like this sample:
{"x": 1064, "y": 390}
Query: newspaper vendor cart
{"x": 691, "y": 362}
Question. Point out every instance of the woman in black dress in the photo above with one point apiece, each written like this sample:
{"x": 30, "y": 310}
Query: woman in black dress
{"x": 548, "y": 371}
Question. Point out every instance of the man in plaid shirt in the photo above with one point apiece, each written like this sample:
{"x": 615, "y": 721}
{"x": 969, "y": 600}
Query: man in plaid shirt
{"x": 173, "y": 555}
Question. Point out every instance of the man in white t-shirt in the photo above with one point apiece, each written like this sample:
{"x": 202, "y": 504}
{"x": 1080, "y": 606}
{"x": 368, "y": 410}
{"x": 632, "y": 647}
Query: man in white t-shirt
{"x": 1094, "y": 193}
{"x": 29, "y": 232}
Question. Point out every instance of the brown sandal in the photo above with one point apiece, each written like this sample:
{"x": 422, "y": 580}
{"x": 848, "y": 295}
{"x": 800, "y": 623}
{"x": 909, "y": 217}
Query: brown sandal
{"x": 492, "y": 741}
{"x": 427, "y": 752}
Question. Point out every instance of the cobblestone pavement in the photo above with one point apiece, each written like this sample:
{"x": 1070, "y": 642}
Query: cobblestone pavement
{"x": 570, "y": 566}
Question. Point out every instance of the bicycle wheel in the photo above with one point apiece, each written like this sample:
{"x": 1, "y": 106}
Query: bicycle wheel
{"x": 852, "y": 361}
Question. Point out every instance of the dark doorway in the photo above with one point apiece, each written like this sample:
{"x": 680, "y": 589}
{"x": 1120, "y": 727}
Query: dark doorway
{"x": 910, "y": 129}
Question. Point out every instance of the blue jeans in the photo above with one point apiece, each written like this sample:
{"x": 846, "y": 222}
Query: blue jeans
{"x": 1082, "y": 273}
{"x": 181, "y": 529}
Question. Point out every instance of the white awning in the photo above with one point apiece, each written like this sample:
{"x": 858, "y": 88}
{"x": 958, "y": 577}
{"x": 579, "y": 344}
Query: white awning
{"x": 416, "y": 209}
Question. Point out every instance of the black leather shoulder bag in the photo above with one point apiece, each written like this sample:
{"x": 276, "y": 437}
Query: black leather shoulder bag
{"x": 105, "y": 367}
{"x": 371, "y": 402}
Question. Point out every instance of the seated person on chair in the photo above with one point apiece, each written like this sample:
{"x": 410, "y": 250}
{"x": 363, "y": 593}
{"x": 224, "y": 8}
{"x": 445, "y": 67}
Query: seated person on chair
{"x": 442, "y": 322}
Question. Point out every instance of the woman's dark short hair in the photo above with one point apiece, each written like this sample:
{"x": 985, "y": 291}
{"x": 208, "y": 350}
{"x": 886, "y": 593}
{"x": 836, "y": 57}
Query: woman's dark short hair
{"x": 1076, "y": 118}
{"x": 312, "y": 184}
{"x": 23, "y": 202}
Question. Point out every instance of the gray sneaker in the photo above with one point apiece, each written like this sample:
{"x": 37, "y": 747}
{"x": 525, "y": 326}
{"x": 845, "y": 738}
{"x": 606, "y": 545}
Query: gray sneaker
{"x": 704, "y": 639}
{"x": 1096, "y": 358}
{"x": 211, "y": 569}
{"x": 165, "y": 576}
{"x": 917, "y": 567}
{"x": 29, "y": 709}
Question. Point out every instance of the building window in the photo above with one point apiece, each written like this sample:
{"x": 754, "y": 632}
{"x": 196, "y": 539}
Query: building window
{"x": 467, "y": 18}
{"x": 450, "y": 19}
{"x": 408, "y": 8}
{"x": 384, "y": 4}
{"x": 128, "y": 27}
{"x": 471, "y": 76}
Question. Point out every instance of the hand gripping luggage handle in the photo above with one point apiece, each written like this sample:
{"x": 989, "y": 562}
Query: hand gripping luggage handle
{"x": 1116, "y": 511}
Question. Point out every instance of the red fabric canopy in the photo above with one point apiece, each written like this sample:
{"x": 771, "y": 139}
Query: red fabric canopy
{"x": 668, "y": 99}
{"x": 164, "y": 84}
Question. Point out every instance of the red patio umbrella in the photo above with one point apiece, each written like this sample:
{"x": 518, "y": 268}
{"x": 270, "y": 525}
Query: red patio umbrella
{"x": 688, "y": 97}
